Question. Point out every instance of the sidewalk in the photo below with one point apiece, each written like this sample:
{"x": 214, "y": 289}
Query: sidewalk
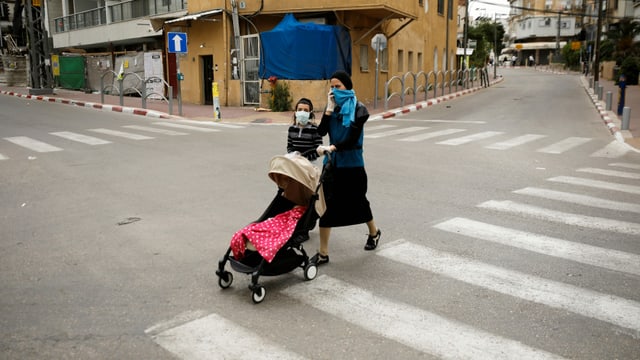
{"x": 611, "y": 118}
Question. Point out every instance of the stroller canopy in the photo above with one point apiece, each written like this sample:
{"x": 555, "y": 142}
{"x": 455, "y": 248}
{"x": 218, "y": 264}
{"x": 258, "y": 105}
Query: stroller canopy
{"x": 306, "y": 176}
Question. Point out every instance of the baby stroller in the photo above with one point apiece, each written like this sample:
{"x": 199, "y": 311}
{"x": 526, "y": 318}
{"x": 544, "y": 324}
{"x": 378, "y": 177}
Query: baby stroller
{"x": 299, "y": 189}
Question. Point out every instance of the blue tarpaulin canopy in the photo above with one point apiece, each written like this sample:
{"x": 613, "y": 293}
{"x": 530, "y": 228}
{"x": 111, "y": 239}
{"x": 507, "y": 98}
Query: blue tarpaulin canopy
{"x": 304, "y": 51}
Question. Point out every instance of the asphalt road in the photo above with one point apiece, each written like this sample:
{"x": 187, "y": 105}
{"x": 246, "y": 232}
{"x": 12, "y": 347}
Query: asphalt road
{"x": 509, "y": 225}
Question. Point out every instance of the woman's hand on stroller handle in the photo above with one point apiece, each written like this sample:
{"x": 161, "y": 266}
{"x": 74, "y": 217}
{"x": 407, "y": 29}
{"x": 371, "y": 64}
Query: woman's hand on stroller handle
{"x": 323, "y": 149}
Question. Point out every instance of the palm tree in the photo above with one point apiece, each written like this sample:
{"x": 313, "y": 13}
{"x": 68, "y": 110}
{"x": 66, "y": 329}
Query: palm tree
{"x": 622, "y": 35}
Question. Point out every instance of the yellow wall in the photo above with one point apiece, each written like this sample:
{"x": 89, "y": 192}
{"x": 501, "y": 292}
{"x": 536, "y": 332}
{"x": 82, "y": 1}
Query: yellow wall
{"x": 422, "y": 35}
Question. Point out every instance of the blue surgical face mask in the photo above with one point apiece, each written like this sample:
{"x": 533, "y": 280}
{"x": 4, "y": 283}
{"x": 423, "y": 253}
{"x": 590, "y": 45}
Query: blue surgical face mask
{"x": 302, "y": 117}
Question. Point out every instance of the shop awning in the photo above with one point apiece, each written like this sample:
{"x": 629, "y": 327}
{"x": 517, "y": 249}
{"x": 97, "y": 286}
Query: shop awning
{"x": 534, "y": 46}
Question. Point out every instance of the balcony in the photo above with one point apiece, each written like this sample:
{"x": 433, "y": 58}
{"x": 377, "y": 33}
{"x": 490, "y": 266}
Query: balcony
{"x": 375, "y": 9}
{"x": 121, "y": 12}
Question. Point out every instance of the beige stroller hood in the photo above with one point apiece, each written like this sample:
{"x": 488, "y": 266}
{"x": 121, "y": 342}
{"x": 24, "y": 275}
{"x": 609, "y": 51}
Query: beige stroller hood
{"x": 306, "y": 176}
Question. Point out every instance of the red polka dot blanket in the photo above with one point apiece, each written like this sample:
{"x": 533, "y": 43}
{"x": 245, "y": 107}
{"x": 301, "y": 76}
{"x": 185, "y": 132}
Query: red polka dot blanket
{"x": 267, "y": 236}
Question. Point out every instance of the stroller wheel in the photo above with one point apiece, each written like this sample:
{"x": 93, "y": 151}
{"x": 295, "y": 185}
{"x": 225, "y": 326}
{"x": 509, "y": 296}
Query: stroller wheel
{"x": 225, "y": 279}
{"x": 258, "y": 294}
{"x": 310, "y": 271}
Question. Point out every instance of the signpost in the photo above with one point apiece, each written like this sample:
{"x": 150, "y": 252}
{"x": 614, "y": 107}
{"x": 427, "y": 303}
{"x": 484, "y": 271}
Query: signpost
{"x": 378, "y": 43}
{"x": 178, "y": 44}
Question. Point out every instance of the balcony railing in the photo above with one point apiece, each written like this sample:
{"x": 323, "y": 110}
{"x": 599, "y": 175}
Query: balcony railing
{"x": 120, "y": 12}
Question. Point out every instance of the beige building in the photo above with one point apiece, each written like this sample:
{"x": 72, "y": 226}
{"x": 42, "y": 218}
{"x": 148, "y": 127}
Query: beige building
{"x": 224, "y": 44}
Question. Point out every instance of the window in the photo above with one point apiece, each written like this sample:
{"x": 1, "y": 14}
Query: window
{"x": 410, "y": 61}
{"x": 440, "y": 7}
{"x": 364, "y": 58}
{"x": 400, "y": 60}
{"x": 420, "y": 61}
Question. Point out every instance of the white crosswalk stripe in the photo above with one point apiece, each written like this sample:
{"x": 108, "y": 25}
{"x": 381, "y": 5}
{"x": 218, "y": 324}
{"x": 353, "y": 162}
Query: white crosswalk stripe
{"x": 564, "y": 145}
{"x": 32, "y": 144}
{"x": 520, "y": 140}
{"x": 214, "y": 337}
{"x": 590, "y": 222}
{"x": 586, "y": 254}
{"x": 580, "y": 199}
{"x": 85, "y": 139}
{"x": 432, "y": 134}
{"x": 613, "y": 150}
{"x": 154, "y": 130}
{"x": 395, "y": 132}
{"x": 408, "y": 325}
{"x": 122, "y": 134}
{"x": 626, "y": 165}
{"x": 378, "y": 127}
{"x": 2, "y": 157}
{"x": 470, "y": 138}
{"x": 613, "y": 309}
{"x": 185, "y": 127}
{"x": 607, "y": 172}
{"x": 632, "y": 189}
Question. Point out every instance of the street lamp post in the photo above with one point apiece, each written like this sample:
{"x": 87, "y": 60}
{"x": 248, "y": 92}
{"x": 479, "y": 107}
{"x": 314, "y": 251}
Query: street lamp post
{"x": 495, "y": 46}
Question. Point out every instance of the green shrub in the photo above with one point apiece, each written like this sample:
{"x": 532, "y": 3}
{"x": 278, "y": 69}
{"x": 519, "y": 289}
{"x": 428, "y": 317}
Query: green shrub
{"x": 280, "y": 99}
{"x": 630, "y": 67}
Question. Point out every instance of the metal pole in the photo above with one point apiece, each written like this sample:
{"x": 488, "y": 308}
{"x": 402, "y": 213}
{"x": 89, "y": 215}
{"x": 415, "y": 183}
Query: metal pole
{"x": 375, "y": 97}
{"x": 179, "y": 76}
{"x": 466, "y": 30}
{"x": 596, "y": 62}
{"x": 495, "y": 45}
{"x": 626, "y": 115}
{"x": 608, "y": 101}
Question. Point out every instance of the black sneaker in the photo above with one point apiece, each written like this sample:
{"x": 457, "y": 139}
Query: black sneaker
{"x": 319, "y": 259}
{"x": 372, "y": 241}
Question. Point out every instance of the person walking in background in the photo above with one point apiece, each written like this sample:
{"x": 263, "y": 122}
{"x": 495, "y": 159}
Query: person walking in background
{"x": 346, "y": 186}
{"x": 302, "y": 135}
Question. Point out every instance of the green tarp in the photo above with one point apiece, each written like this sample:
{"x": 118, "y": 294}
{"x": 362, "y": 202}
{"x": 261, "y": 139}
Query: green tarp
{"x": 72, "y": 72}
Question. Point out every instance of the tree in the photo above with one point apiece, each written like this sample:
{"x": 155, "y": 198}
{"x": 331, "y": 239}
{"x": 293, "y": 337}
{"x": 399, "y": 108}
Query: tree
{"x": 485, "y": 33}
{"x": 622, "y": 34}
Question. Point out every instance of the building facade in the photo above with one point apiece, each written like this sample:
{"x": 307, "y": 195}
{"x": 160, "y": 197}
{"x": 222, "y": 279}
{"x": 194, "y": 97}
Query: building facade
{"x": 223, "y": 40}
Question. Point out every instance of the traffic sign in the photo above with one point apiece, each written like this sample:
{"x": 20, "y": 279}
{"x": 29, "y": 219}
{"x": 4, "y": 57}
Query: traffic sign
{"x": 177, "y": 42}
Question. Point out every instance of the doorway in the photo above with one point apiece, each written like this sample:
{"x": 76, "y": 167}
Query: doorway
{"x": 207, "y": 78}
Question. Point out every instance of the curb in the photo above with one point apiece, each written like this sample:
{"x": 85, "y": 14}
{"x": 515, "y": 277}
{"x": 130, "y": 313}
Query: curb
{"x": 610, "y": 119}
{"x": 92, "y": 105}
{"x": 424, "y": 104}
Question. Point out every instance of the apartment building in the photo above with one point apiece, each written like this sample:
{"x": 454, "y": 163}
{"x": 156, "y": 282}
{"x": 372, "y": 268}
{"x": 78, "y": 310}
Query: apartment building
{"x": 224, "y": 40}
{"x": 541, "y": 28}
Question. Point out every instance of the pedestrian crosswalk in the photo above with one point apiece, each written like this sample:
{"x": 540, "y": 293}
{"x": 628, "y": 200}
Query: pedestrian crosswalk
{"x": 105, "y": 136}
{"x": 503, "y": 141}
{"x": 366, "y": 309}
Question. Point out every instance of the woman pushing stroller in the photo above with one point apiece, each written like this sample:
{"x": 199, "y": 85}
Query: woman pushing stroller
{"x": 343, "y": 120}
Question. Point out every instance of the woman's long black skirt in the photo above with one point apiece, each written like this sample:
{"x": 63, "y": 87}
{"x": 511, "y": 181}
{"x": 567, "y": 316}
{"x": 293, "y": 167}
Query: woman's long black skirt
{"x": 345, "y": 192}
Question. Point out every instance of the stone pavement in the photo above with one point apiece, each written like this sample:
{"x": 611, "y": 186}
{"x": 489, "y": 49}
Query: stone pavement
{"x": 160, "y": 109}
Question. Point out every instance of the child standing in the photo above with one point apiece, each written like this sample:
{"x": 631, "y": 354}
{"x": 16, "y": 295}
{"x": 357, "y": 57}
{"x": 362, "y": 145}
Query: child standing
{"x": 302, "y": 135}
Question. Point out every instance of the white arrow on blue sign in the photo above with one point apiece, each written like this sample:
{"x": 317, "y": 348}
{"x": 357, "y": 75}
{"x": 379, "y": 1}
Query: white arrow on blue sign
{"x": 177, "y": 42}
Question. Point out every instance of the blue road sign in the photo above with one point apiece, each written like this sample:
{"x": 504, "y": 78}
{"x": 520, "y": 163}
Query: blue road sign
{"x": 177, "y": 42}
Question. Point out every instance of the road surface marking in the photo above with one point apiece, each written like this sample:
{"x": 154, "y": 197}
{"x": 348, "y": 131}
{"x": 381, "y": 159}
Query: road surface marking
{"x": 586, "y": 254}
{"x": 2, "y": 157}
{"x": 85, "y": 139}
{"x": 564, "y": 145}
{"x": 154, "y": 130}
{"x": 430, "y": 135}
{"x": 613, "y": 150}
{"x": 626, "y": 165}
{"x": 378, "y": 127}
{"x": 454, "y": 121}
{"x": 632, "y": 189}
{"x": 395, "y": 132}
{"x": 214, "y": 337}
{"x": 607, "y": 172}
{"x": 121, "y": 134}
{"x": 210, "y": 123}
{"x": 590, "y": 222}
{"x": 408, "y": 325}
{"x": 32, "y": 144}
{"x": 504, "y": 145}
{"x": 470, "y": 138}
{"x": 580, "y": 199}
{"x": 613, "y": 309}
{"x": 186, "y": 127}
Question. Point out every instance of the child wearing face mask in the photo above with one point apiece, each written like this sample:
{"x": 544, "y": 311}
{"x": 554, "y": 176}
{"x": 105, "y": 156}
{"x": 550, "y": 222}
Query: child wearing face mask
{"x": 302, "y": 135}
